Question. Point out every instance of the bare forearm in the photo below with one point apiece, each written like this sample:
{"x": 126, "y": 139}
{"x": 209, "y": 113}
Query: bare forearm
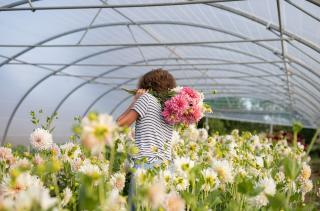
{"x": 126, "y": 111}
{"x": 129, "y": 115}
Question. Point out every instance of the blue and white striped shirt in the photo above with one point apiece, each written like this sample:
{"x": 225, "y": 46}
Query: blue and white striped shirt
{"x": 152, "y": 134}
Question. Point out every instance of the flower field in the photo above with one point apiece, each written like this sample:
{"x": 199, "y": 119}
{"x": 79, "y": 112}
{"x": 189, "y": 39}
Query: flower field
{"x": 92, "y": 172}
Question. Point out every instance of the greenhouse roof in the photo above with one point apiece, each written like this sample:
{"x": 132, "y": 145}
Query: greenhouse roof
{"x": 71, "y": 57}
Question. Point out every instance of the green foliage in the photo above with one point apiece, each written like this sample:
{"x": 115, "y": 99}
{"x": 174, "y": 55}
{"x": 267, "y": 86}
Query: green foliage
{"x": 291, "y": 167}
{"x": 37, "y": 118}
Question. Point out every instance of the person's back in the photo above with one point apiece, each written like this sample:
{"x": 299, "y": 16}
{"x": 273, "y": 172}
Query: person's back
{"x": 152, "y": 134}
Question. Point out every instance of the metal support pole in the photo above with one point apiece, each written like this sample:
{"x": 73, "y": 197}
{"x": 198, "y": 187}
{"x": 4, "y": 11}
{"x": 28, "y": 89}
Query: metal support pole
{"x": 152, "y": 65}
{"x": 136, "y": 44}
{"x": 115, "y": 6}
{"x": 302, "y": 10}
{"x": 283, "y": 53}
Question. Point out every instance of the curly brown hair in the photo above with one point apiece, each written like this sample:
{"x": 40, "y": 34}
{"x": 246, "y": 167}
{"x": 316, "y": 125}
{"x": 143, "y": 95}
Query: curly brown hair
{"x": 157, "y": 80}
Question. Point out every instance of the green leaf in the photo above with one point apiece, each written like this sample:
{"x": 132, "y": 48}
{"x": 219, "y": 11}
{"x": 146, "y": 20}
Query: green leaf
{"x": 297, "y": 126}
{"x": 278, "y": 201}
{"x": 291, "y": 167}
{"x": 133, "y": 92}
{"x": 247, "y": 187}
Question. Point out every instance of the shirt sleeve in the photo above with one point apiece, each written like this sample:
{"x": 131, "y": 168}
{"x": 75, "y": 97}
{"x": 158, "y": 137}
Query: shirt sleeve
{"x": 141, "y": 105}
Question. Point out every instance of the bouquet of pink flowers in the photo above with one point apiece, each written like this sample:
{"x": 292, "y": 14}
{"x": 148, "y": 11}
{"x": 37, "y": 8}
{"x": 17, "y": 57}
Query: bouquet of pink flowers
{"x": 186, "y": 106}
{"x": 181, "y": 105}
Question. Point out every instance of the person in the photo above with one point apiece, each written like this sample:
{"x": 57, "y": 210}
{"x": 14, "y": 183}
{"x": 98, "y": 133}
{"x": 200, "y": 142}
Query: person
{"x": 152, "y": 134}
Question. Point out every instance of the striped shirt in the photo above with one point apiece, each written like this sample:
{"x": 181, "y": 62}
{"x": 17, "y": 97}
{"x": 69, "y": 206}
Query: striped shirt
{"x": 152, "y": 134}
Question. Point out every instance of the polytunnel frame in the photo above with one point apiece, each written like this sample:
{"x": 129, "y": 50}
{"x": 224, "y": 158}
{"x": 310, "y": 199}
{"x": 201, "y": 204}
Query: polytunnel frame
{"x": 141, "y": 61}
{"x": 212, "y": 3}
{"x": 305, "y": 42}
{"x": 136, "y": 23}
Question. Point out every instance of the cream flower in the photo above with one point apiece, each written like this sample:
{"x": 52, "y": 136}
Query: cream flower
{"x": 37, "y": 160}
{"x": 306, "y": 186}
{"x": 211, "y": 181}
{"x": 114, "y": 202}
{"x": 6, "y": 154}
{"x": 180, "y": 182}
{"x": 156, "y": 194}
{"x": 259, "y": 161}
{"x": 224, "y": 170}
{"x": 166, "y": 176}
{"x": 67, "y": 194}
{"x": 268, "y": 185}
{"x": 70, "y": 151}
{"x": 203, "y": 134}
{"x": 34, "y": 197}
{"x": 90, "y": 169}
{"x": 258, "y": 201}
{"x": 176, "y": 138}
{"x": 173, "y": 202}
{"x": 183, "y": 164}
{"x": 41, "y": 139}
{"x": 10, "y": 187}
{"x": 305, "y": 172}
{"x": 22, "y": 163}
{"x": 97, "y": 130}
{"x": 140, "y": 176}
{"x": 280, "y": 177}
{"x": 177, "y": 89}
{"x": 118, "y": 181}
{"x": 191, "y": 133}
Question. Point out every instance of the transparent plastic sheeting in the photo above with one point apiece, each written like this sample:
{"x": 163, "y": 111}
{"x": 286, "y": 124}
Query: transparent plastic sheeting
{"x": 74, "y": 56}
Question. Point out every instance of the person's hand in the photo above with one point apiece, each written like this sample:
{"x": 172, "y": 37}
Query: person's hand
{"x": 139, "y": 93}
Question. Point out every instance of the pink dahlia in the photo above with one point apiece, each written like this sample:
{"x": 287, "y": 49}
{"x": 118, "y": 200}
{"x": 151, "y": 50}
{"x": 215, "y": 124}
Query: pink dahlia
{"x": 193, "y": 94}
{"x": 185, "y": 107}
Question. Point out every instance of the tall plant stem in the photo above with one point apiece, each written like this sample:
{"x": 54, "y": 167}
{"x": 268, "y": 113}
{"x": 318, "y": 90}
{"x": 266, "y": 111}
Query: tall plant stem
{"x": 111, "y": 161}
{"x": 314, "y": 138}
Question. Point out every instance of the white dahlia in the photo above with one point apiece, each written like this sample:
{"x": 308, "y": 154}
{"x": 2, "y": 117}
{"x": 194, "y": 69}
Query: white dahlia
{"x": 191, "y": 133}
{"x": 33, "y": 198}
{"x": 177, "y": 89}
{"x": 140, "y": 176}
{"x": 22, "y": 163}
{"x": 67, "y": 194}
{"x": 258, "y": 201}
{"x": 181, "y": 183}
{"x": 176, "y": 138}
{"x": 89, "y": 169}
{"x": 173, "y": 202}
{"x": 211, "y": 181}
{"x": 118, "y": 181}
{"x": 183, "y": 164}
{"x": 306, "y": 186}
{"x": 41, "y": 139}
{"x": 97, "y": 129}
{"x": 6, "y": 154}
{"x": 156, "y": 194}
{"x": 203, "y": 134}
{"x": 10, "y": 188}
{"x": 224, "y": 170}
{"x": 268, "y": 185}
{"x": 305, "y": 172}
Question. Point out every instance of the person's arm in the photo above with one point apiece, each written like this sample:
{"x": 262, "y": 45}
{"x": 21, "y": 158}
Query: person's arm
{"x": 129, "y": 116}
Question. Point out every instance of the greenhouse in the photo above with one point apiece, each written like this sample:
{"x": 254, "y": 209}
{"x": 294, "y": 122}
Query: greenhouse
{"x": 66, "y": 67}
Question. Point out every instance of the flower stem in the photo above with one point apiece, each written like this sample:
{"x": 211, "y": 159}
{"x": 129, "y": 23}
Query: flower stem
{"x": 111, "y": 161}
{"x": 101, "y": 192}
{"x": 314, "y": 138}
{"x": 56, "y": 187}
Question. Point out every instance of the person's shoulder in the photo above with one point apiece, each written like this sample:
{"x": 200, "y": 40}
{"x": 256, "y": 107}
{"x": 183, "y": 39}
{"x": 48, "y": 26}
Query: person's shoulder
{"x": 151, "y": 97}
{"x": 147, "y": 96}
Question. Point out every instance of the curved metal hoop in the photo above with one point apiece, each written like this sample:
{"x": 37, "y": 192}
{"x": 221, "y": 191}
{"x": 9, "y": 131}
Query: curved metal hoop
{"x": 105, "y": 25}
